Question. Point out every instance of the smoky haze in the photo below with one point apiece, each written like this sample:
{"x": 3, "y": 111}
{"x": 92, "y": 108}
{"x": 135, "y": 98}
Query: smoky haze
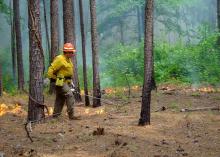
{"x": 191, "y": 16}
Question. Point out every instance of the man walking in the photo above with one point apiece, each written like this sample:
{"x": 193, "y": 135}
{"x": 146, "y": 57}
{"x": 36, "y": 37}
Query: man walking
{"x": 61, "y": 72}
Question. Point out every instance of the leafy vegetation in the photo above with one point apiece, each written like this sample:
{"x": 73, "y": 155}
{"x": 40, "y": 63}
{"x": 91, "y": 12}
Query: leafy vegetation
{"x": 122, "y": 65}
{"x": 194, "y": 63}
{"x": 190, "y": 55}
{"x": 4, "y": 8}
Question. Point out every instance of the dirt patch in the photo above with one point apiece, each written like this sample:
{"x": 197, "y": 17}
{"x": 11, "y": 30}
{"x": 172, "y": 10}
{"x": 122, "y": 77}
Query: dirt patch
{"x": 171, "y": 133}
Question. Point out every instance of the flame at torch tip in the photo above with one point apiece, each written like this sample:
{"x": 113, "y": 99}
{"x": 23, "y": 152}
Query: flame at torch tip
{"x": 50, "y": 110}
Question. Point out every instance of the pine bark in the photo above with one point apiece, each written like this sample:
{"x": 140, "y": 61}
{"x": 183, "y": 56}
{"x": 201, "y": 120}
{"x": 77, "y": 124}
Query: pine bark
{"x": 142, "y": 10}
{"x": 82, "y": 28}
{"x": 218, "y": 14}
{"x": 54, "y": 35}
{"x": 13, "y": 48}
{"x": 139, "y": 24}
{"x": 122, "y": 32}
{"x": 54, "y": 28}
{"x": 36, "y": 60}
{"x": 69, "y": 36}
{"x": 148, "y": 65}
{"x": 95, "y": 56}
{"x": 1, "y": 86}
{"x": 218, "y": 20}
{"x": 60, "y": 25}
{"x": 46, "y": 27}
{"x": 18, "y": 45}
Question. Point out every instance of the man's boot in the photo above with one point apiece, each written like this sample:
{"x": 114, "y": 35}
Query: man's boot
{"x": 72, "y": 117}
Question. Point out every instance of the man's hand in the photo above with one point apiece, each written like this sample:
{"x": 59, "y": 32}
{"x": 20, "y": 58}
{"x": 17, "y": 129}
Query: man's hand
{"x": 46, "y": 82}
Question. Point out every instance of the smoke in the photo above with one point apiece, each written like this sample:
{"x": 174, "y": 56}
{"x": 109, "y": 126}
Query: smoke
{"x": 178, "y": 24}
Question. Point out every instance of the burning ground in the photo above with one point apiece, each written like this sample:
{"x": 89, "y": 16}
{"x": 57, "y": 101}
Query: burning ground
{"x": 112, "y": 130}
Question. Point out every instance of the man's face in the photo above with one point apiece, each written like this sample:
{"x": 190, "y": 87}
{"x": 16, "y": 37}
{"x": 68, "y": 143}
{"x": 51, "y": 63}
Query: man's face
{"x": 69, "y": 54}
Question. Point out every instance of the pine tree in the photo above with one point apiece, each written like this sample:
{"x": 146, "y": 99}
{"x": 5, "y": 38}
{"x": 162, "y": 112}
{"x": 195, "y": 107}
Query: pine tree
{"x": 95, "y": 55}
{"x": 54, "y": 35}
{"x": 87, "y": 103}
{"x": 36, "y": 60}
{"x": 69, "y": 36}
{"x": 148, "y": 65}
{"x": 18, "y": 45}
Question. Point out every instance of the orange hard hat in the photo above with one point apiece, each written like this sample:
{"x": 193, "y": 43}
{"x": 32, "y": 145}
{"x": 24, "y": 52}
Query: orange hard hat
{"x": 68, "y": 47}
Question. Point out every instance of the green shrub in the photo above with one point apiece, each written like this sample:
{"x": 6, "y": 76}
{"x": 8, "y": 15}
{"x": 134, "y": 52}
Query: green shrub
{"x": 195, "y": 63}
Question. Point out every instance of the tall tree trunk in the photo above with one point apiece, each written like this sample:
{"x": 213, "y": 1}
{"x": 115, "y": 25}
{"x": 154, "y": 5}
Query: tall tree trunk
{"x": 87, "y": 103}
{"x": 218, "y": 20}
{"x": 13, "y": 48}
{"x": 46, "y": 28}
{"x": 1, "y": 86}
{"x": 218, "y": 14}
{"x": 54, "y": 35}
{"x": 148, "y": 65}
{"x": 139, "y": 24}
{"x": 69, "y": 36}
{"x": 142, "y": 17}
{"x": 18, "y": 45}
{"x": 95, "y": 56}
{"x": 212, "y": 15}
{"x": 122, "y": 31}
{"x": 60, "y": 24}
{"x": 36, "y": 58}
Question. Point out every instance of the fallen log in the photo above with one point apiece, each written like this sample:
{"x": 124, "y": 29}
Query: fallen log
{"x": 216, "y": 108}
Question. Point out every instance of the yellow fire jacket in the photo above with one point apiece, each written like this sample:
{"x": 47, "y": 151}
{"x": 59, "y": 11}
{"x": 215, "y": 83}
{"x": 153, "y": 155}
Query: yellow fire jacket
{"x": 60, "y": 67}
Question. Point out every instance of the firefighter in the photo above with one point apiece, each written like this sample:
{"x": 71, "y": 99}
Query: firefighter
{"x": 60, "y": 72}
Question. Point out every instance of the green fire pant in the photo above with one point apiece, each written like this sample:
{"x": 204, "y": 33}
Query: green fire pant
{"x": 64, "y": 95}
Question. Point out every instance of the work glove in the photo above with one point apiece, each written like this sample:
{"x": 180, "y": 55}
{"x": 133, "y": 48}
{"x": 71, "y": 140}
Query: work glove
{"x": 72, "y": 85}
{"x": 73, "y": 88}
{"x": 46, "y": 82}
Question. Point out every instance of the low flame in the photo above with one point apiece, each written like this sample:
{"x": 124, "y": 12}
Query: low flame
{"x": 122, "y": 89}
{"x": 15, "y": 109}
{"x": 134, "y": 87}
{"x": 101, "y": 111}
{"x": 207, "y": 89}
{"x": 110, "y": 91}
{"x": 50, "y": 109}
{"x": 3, "y": 109}
{"x": 87, "y": 111}
{"x": 93, "y": 112}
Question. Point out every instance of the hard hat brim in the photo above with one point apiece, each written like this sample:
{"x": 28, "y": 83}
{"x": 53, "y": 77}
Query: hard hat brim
{"x": 69, "y": 51}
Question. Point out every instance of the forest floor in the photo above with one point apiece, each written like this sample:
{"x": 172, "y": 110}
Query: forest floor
{"x": 171, "y": 134}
